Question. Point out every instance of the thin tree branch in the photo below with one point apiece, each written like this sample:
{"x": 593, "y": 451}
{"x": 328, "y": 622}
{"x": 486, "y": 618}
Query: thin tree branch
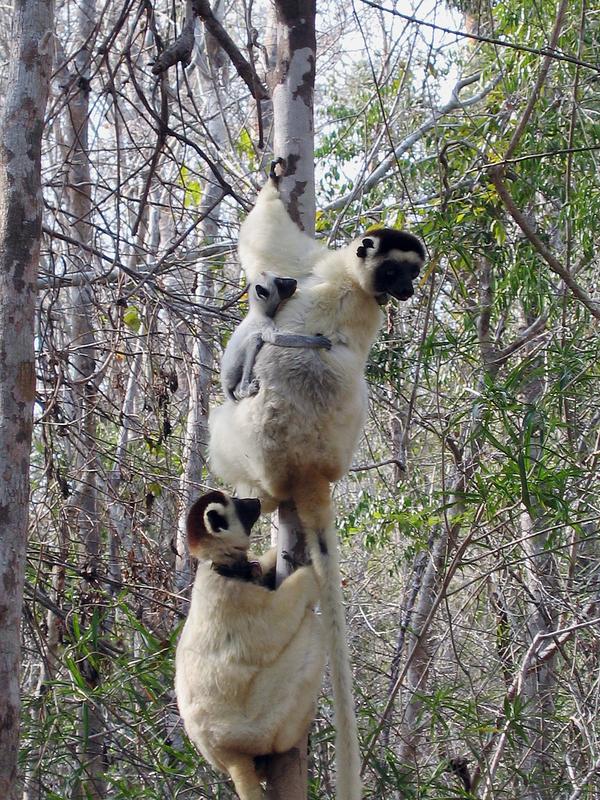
{"x": 405, "y": 145}
{"x": 592, "y": 305}
{"x": 544, "y": 51}
{"x": 364, "y": 467}
{"x": 534, "y": 658}
{"x": 182, "y": 48}
{"x": 244, "y": 68}
{"x": 533, "y": 330}
{"x": 541, "y": 79}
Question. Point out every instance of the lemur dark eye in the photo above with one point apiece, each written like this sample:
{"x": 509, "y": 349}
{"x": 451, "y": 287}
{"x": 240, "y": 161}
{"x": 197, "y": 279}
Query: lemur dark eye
{"x": 414, "y": 272}
{"x": 217, "y": 521}
{"x": 262, "y": 292}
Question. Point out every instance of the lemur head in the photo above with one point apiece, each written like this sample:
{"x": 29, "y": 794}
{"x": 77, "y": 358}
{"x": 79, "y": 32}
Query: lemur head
{"x": 386, "y": 263}
{"x": 268, "y": 292}
{"x": 218, "y": 527}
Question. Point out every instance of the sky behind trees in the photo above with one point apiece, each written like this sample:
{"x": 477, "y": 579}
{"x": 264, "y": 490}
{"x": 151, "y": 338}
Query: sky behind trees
{"x": 469, "y": 523}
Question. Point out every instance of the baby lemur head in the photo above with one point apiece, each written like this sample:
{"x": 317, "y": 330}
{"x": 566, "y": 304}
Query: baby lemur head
{"x": 267, "y": 293}
{"x": 386, "y": 262}
{"x": 218, "y": 527}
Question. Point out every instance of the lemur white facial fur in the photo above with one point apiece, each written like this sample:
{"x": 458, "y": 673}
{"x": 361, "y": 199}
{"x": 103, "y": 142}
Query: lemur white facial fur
{"x": 298, "y": 434}
{"x": 265, "y": 296}
{"x": 249, "y": 661}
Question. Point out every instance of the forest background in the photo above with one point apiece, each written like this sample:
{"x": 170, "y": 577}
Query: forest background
{"x": 469, "y": 522}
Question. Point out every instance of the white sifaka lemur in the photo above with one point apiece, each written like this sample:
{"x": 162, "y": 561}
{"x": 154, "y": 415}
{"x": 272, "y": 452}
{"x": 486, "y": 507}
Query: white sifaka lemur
{"x": 297, "y": 435}
{"x": 265, "y": 296}
{"x": 249, "y": 661}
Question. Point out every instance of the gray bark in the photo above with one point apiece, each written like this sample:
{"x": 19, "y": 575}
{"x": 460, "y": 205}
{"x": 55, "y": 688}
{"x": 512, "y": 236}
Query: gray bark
{"x": 542, "y": 609}
{"x": 292, "y": 83}
{"x": 20, "y": 230}
{"x": 83, "y": 503}
{"x": 211, "y": 70}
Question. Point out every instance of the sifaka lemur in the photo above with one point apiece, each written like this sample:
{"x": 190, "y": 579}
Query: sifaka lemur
{"x": 297, "y": 435}
{"x": 250, "y": 660}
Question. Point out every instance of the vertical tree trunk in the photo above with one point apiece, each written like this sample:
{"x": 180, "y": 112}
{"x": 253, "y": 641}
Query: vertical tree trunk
{"x": 543, "y": 611}
{"x": 20, "y": 230}
{"x": 211, "y": 69}
{"x": 84, "y": 499}
{"x": 292, "y": 83}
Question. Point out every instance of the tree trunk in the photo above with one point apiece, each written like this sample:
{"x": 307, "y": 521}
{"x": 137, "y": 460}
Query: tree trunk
{"x": 211, "y": 71}
{"x": 292, "y": 82}
{"x": 20, "y": 230}
{"x": 542, "y": 606}
{"x": 83, "y": 342}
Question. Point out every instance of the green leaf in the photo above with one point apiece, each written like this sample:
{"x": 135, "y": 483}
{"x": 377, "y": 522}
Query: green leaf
{"x": 131, "y": 318}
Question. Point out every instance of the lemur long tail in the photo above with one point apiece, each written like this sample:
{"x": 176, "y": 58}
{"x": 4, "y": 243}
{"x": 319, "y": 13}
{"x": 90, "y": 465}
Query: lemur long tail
{"x": 317, "y": 517}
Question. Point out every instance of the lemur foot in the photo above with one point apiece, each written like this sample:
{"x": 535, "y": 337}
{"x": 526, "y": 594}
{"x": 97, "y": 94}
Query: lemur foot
{"x": 290, "y": 559}
{"x": 277, "y": 170}
{"x": 247, "y": 391}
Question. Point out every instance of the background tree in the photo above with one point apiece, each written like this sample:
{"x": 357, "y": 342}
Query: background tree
{"x": 469, "y": 523}
{"x": 21, "y": 127}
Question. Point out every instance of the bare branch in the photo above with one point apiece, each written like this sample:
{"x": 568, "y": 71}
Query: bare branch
{"x": 541, "y": 79}
{"x": 544, "y": 51}
{"x": 592, "y": 305}
{"x": 536, "y": 327}
{"x": 244, "y": 68}
{"x": 182, "y": 48}
{"x": 405, "y": 145}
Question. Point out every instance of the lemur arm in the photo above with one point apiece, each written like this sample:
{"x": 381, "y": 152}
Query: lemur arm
{"x": 282, "y": 339}
{"x": 273, "y": 618}
{"x": 270, "y": 236}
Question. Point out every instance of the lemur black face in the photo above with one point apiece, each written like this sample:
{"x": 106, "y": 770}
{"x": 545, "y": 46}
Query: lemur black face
{"x": 286, "y": 287}
{"x": 391, "y": 239}
{"x": 395, "y": 274}
{"x": 395, "y": 278}
{"x": 248, "y": 511}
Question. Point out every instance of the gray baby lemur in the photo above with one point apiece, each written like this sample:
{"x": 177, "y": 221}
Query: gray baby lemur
{"x": 265, "y": 296}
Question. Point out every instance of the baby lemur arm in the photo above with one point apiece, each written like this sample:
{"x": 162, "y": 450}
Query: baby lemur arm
{"x": 247, "y": 386}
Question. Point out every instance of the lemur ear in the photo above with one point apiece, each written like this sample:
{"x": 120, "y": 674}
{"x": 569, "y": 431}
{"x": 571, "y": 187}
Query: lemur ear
{"x": 262, "y": 292}
{"x": 217, "y": 521}
{"x": 366, "y": 244}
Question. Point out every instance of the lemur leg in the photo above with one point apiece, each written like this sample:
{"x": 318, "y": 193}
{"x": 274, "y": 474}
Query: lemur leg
{"x": 243, "y": 774}
{"x": 312, "y": 496}
{"x": 295, "y": 339}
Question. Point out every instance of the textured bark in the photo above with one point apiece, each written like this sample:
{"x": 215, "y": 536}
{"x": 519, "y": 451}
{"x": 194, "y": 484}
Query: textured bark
{"x": 20, "y": 230}
{"x": 542, "y": 609}
{"x": 83, "y": 504}
{"x": 211, "y": 68}
{"x": 292, "y": 81}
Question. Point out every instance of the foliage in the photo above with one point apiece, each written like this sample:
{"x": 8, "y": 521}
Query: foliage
{"x": 470, "y": 524}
